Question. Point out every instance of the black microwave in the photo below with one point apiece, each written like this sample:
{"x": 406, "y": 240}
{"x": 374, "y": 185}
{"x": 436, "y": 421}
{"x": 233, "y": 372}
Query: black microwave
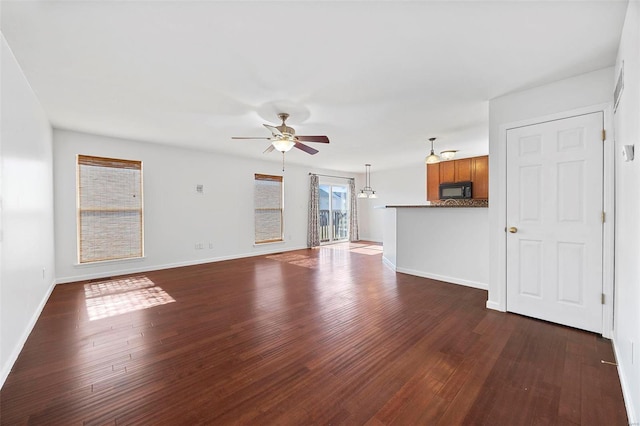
{"x": 458, "y": 190}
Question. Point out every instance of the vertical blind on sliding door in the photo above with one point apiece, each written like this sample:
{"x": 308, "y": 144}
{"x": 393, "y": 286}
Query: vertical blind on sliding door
{"x": 268, "y": 208}
{"x": 109, "y": 209}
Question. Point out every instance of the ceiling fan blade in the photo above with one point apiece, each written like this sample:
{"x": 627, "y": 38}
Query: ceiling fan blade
{"x": 306, "y": 148}
{"x": 269, "y": 149}
{"x": 273, "y": 130}
{"x": 248, "y": 137}
{"x": 320, "y": 139}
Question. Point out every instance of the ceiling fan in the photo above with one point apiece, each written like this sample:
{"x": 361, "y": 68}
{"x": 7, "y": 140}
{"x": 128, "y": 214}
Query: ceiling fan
{"x": 283, "y": 138}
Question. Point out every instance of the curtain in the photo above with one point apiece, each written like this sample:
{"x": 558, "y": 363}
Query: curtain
{"x": 313, "y": 237}
{"x": 353, "y": 212}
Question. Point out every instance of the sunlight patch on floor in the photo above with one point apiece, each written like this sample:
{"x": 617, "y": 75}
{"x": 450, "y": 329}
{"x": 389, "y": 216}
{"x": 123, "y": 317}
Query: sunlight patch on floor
{"x": 368, "y": 249}
{"x": 287, "y": 257}
{"x": 116, "y": 297}
{"x": 296, "y": 259}
{"x": 330, "y": 253}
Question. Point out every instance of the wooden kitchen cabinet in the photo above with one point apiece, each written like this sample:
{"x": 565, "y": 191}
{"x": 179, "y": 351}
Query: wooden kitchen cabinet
{"x": 475, "y": 169}
{"x": 462, "y": 169}
{"x": 480, "y": 177}
{"x": 447, "y": 171}
{"x": 433, "y": 182}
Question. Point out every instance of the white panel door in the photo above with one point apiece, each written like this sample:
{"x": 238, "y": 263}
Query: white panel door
{"x": 554, "y": 222}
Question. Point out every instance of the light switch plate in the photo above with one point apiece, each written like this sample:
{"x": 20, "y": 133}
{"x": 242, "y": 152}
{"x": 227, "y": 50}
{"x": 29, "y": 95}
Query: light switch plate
{"x": 627, "y": 152}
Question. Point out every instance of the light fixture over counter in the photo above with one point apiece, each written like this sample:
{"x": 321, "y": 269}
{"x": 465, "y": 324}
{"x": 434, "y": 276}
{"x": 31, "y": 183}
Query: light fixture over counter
{"x": 367, "y": 191}
{"x": 448, "y": 154}
{"x": 433, "y": 157}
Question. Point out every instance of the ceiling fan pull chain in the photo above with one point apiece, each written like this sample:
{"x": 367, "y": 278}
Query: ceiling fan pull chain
{"x": 283, "y": 161}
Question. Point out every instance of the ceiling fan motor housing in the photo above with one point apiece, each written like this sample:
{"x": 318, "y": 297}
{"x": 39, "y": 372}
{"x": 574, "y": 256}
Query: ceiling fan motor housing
{"x": 286, "y": 130}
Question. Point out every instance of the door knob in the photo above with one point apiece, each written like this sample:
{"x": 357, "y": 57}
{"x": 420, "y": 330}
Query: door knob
{"x": 513, "y": 229}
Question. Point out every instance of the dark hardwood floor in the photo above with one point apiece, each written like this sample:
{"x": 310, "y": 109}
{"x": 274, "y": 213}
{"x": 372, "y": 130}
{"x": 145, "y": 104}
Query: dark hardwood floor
{"x": 324, "y": 336}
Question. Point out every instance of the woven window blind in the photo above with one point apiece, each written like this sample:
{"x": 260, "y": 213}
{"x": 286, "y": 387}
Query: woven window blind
{"x": 109, "y": 209}
{"x": 268, "y": 208}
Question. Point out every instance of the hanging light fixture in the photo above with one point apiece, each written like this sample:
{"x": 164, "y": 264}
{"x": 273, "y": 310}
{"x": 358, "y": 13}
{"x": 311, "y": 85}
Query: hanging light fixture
{"x": 283, "y": 144}
{"x": 367, "y": 191}
{"x": 448, "y": 154}
{"x": 433, "y": 157}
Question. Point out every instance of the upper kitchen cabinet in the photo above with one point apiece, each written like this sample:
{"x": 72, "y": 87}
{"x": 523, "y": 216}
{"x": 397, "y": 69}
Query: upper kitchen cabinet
{"x": 475, "y": 169}
{"x": 447, "y": 171}
{"x": 463, "y": 170}
{"x": 433, "y": 182}
{"x": 480, "y": 177}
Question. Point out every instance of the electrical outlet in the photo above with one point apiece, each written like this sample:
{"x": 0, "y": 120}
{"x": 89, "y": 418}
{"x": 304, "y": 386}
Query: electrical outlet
{"x": 199, "y": 246}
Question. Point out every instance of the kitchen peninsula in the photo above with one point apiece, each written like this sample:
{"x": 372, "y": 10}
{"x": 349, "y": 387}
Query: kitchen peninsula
{"x": 445, "y": 240}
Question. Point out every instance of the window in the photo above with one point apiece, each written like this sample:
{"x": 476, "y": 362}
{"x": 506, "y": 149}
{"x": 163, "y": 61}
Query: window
{"x": 268, "y": 208}
{"x": 109, "y": 203}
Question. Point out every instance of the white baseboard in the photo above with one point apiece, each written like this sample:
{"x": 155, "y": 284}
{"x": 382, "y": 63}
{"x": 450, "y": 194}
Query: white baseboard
{"x": 494, "y": 305}
{"x": 147, "y": 268}
{"x": 452, "y": 280}
{"x": 388, "y": 263}
{"x": 626, "y": 393}
{"x": 6, "y": 369}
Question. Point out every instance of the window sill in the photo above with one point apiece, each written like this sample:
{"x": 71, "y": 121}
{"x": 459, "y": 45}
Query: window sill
{"x": 108, "y": 262}
{"x": 268, "y": 243}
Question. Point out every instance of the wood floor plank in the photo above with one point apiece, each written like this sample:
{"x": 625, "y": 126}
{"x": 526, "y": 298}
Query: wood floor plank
{"x": 322, "y": 336}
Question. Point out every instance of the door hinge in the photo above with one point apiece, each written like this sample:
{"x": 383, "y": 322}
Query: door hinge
{"x": 604, "y": 135}
{"x": 603, "y": 216}
{"x": 602, "y": 299}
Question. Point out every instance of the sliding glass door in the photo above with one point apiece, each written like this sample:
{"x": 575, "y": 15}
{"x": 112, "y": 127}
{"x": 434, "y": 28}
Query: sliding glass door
{"x": 334, "y": 213}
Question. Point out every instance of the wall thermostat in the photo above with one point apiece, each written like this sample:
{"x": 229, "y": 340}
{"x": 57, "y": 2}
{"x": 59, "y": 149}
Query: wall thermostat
{"x": 627, "y": 152}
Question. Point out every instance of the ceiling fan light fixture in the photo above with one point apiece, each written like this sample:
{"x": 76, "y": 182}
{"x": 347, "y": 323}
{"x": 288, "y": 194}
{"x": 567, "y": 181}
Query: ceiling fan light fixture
{"x": 283, "y": 145}
{"x": 433, "y": 157}
{"x": 373, "y": 195}
{"x": 362, "y": 194}
{"x": 448, "y": 154}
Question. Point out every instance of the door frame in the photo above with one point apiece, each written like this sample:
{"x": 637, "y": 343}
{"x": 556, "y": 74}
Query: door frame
{"x": 498, "y": 172}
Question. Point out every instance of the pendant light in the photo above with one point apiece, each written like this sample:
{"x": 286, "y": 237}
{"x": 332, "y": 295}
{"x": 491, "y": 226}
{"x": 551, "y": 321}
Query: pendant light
{"x": 433, "y": 157}
{"x": 367, "y": 191}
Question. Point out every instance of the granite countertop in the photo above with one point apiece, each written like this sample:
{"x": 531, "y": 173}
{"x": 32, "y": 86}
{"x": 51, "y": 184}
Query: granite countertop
{"x": 445, "y": 203}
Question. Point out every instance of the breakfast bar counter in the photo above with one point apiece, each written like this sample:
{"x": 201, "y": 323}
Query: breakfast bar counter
{"x": 445, "y": 241}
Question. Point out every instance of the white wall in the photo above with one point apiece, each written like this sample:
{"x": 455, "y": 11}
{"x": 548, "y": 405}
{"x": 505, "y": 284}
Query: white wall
{"x": 626, "y": 336}
{"x": 397, "y": 186}
{"x": 27, "y": 260}
{"x": 446, "y": 244}
{"x": 594, "y": 88}
{"x": 176, "y": 217}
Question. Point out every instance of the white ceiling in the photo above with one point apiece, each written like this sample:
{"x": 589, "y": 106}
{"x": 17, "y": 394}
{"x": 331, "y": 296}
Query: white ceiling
{"x": 378, "y": 77}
